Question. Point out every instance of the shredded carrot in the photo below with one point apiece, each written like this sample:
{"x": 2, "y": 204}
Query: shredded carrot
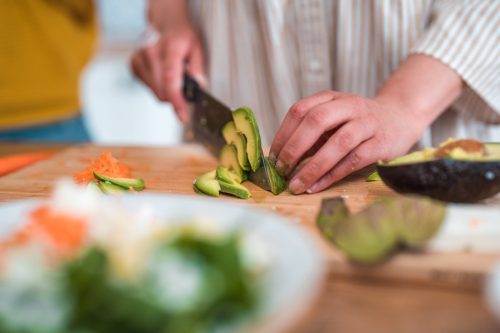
{"x": 63, "y": 233}
{"x": 107, "y": 165}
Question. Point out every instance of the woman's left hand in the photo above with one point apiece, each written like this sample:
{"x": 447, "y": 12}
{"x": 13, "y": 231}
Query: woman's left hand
{"x": 341, "y": 133}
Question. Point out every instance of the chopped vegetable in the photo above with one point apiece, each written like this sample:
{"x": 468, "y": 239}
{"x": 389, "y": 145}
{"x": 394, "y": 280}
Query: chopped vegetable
{"x": 12, "y": 163}
{"x": 107, "y": 165}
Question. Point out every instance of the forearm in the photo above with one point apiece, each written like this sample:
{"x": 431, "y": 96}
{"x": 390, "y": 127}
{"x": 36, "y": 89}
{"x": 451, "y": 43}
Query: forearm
{"x": 164, "y": 13}
{"x": 423, "y": 88}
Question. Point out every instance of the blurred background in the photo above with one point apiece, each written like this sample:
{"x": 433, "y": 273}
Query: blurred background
{"x": 117, "y": 108}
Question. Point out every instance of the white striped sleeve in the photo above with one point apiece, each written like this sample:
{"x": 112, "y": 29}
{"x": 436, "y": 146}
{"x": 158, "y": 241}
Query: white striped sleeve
{"x": 465, "y": 35}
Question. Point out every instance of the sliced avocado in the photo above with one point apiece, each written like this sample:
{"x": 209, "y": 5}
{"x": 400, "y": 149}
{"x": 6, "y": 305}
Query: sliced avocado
{"x": 267, "y": 177}
{"x": 225, "y": 175}
{"x": 232, "y": 136}
{"x": 373, "y": 177}
{"x": 136, "y": 184}
{"x": 332, "y": 212}
{"x": 110, "y": 188}
{"x": 420, "y": 220}
{"x": 246, "y": 123}
{"x": 455, "y": 172}
{"x": 93, "y": 186}
{"x": 207, "y": 184}
{"x": 374, "y": 233}
{"x": 229, "y": 159}
{"x": 235, "y": 189}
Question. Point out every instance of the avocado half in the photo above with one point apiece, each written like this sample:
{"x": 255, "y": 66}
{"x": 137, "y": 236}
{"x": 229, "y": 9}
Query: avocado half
{"x": 461, "y": 177}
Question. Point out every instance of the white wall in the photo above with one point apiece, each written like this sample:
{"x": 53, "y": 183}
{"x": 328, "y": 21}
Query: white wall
{"x": 118, "y": 108}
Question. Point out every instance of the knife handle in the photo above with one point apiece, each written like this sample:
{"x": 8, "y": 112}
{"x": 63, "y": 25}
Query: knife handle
{"x": 190, "y": 89}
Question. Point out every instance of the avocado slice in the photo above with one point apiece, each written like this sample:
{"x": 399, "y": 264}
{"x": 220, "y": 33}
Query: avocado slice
{"x": 232, "y": 136}
{"x": 134, "y": 183}
{"x": 267, "y": 177}
{"x": 373, "y": 177}
{"x": 93, "y": 186}
{"x": 450, "y": 173}
{"x": 207, "y": 184}
{"x": 245, "y": 122}
{"x": 235, "y": 189}
{"x": 229, "y": 159}
{"x": 374, "y": 233}
{"x": 110, "y": 188}
{"x": 229, "y": 184}
{"x": 224, "y": 175}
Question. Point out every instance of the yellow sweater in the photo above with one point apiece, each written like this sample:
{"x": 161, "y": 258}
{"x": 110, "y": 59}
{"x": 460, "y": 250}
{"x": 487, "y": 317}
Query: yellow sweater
{"x": 44, "y": 45}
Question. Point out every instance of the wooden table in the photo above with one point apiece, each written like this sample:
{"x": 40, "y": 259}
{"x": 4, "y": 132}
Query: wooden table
{"x": 355, "y": 304}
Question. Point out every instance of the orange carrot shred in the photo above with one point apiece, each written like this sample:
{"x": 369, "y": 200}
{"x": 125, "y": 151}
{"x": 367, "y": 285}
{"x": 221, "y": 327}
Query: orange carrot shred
{"x": 64, "y": 233}
{"x": 107, "y": 165}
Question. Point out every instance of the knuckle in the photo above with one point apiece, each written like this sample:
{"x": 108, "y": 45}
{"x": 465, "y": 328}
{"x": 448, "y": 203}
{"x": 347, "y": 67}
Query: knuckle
{"x": 354, "y": 160}
{"x": 297, "y": 111}
{"x": 314, "y": 168}
{"x": 345, "y": 141}
{"x": 316, "y": 119}
{"x": 289, "y": 152}
{"x": 359, "y": 103}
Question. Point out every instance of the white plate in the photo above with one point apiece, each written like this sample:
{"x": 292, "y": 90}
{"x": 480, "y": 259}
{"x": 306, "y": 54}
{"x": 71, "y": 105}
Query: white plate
{"x": 292, "y": 282}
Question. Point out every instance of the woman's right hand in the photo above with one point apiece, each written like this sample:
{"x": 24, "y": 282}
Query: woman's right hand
{"x": 161, "y": 65}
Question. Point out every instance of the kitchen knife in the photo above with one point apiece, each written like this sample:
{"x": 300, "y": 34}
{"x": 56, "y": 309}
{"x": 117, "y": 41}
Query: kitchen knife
{"x": 209, "y": 118}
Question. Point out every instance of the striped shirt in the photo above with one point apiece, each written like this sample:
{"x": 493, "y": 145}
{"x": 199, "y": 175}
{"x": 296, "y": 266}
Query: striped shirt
{"x": 270, "y": 53}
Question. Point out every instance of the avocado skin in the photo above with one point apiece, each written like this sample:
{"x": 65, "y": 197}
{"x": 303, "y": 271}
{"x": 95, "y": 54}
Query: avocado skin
{"x": 444, "y": 179}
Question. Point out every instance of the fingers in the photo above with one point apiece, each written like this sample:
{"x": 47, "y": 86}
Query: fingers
{"x": 141, "y": 69}
{"x": 345, "y": 140}
{"x": 294, "y": 117}
{"x": 161, "y": 67}
{"x": 314, "y": 124}
{"x": 359, "y": 158}
{"x": 196, "y": 64}
{"x": 172, "y": 68}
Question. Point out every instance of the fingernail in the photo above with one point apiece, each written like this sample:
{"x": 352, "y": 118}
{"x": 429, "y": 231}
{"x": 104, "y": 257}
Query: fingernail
{"x": 280, "y": 167}
{"x": 315, "y": 188}
{"x": 272, "y": 157}
{"x": 296, "y": 186}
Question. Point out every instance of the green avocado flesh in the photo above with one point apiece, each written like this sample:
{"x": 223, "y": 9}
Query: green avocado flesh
{"x": 376, "y": 232}
{"x": 229, "y": 159}
{"x": 246, "y": 123}
{"x": 232, "y": 136}
{"x": 242, "y": 158}
{"x": 268, "y": 178}
{"x": 207, "y": 184}
{"x": 109, "y": 188}
{"x": 452, "y": 172}
{"x": 220, "y": 180}
{"x": 136, "y": 184}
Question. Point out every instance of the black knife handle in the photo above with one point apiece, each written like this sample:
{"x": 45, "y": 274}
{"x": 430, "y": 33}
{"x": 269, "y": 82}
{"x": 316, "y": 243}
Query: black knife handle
{"x": 190, "y": 88}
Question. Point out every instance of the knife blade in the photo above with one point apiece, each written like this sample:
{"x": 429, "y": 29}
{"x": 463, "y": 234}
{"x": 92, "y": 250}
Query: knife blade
{"x": 209, "y": 116}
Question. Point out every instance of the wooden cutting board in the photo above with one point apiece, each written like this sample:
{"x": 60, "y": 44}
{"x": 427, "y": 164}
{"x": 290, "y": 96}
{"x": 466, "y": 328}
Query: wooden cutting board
{"x": 172, "y": 170}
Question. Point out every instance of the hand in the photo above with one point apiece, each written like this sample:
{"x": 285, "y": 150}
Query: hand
{"x": 161, "y": 65}
{"x": 335, "y": 134}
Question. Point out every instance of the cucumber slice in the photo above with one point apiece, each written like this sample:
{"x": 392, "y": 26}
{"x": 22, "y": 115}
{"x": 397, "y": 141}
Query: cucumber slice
{"x": 207, "y": 184}
{"x": 136, "y": 184}
{"x": 246, "y": 123}
{"x": 232, "y": 136}
{"x": 229, "y": 159}
{"x": 110, "y": 188}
